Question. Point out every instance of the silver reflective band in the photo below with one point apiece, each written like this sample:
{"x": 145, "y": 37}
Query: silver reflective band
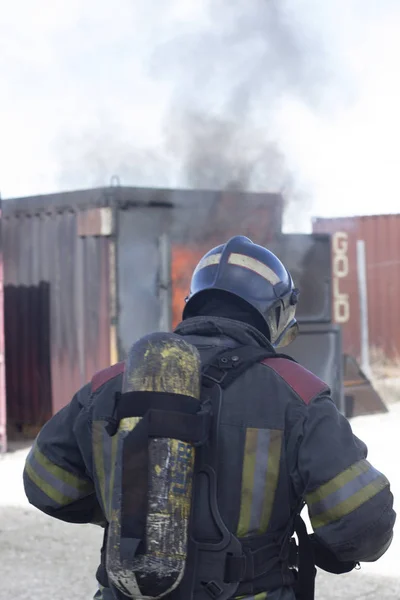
{"x": 208, "y": 261}
{"x": 248, "y": 262}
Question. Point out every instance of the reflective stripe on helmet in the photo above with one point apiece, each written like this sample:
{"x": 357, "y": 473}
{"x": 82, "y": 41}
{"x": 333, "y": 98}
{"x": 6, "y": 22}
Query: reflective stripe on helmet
{"x": 248, "y": 262}
{"x": 61, "y": 486}
{"x": 344, "y": 493}
{"x": 208, "y": 261}
{"x": 260, "y": 473}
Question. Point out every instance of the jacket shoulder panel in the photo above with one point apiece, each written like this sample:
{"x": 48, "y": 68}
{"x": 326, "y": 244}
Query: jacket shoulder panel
{"x": 304, "y": 383}
{"x": 101, "y": 377}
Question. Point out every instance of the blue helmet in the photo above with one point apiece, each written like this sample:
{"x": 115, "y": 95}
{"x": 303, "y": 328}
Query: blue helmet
{"x": 253, "y": 274}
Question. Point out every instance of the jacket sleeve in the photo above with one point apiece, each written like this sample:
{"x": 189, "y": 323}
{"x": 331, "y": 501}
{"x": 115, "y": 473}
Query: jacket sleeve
{"x": 56, "y": 479}
{"x": 349, "y": 501}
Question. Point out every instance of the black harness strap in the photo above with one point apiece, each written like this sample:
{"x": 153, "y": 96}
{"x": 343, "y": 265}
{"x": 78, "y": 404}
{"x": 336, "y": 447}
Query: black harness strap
{"x": 166, "y": 415}
{"x": 252, "y": 564}
{"x": 305, "y": 584}
{"x": 161, "y": 415}
{"x": 228, "y": 365}
{"x": 187, "y": 419}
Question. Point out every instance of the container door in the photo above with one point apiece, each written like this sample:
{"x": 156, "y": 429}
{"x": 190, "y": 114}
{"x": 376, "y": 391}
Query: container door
{"x": 143, "y": 274}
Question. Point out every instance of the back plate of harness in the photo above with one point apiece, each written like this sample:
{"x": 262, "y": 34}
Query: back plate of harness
{"x": 229, "y": 567}
{"x": 226, "y": 568}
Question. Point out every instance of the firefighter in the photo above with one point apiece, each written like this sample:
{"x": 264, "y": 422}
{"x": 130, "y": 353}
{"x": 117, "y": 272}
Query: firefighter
{"x": 282, "y": 443}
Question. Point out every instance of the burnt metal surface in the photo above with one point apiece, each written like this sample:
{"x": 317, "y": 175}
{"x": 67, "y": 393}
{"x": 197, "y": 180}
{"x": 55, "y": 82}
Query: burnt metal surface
{"x": 308, "y": 259}
{"x": 56, "y": 312}
{"x": 360, "y": 395}
{"x": 198, "y": 221}
{"x": 319, "y": 349}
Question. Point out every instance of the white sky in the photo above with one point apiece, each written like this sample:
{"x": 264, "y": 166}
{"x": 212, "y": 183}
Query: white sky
{"x": 86, "y": 88}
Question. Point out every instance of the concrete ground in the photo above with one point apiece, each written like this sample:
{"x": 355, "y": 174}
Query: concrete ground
{"x": 43, "y": 559}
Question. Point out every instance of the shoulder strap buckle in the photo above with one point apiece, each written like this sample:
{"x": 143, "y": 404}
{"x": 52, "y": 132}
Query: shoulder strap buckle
{"x": 214, "y": 374}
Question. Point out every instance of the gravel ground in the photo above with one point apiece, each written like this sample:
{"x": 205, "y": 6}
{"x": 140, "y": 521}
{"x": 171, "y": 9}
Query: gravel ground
{"x": 42, "y": 559}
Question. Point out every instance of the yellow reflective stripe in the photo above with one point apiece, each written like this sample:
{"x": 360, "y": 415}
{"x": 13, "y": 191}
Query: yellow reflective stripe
{"x": 261, "y": 596}
{"x": 274, "y": 457}
{"x": 114, "y": 446}
{"x": 337, "y": 482}
{"x": 344, "y": 493}
{"x": 99, "y": 594}
{"x": 249, "y": 464}
{"x": 347, "y": 506}
{"x": 97, "y": 441}
{"x": 128, "y": 423}
{"x": 46, "y": 488}
{"x": 81, "y": 485}
{"x": 260, "y": 475}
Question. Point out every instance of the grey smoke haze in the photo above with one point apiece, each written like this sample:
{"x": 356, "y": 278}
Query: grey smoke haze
{"x": 92, "y": 88}
{"x": 245, "y": 52}
{"x": 227, "y": 72}
{"x": 300, "y": 95}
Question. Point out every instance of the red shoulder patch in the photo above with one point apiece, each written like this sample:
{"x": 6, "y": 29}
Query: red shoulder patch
{"x": 303, "y": 382}
{"x": 106, "y": 375}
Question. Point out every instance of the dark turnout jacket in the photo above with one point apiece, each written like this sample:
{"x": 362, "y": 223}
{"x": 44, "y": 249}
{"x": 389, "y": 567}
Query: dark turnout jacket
{"x": 282, "y": 441}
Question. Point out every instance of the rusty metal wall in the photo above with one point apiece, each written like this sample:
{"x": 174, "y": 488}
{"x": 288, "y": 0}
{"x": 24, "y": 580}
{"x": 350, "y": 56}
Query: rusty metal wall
{"x": 56, "y": 311}
{"x": 381, "y": 234}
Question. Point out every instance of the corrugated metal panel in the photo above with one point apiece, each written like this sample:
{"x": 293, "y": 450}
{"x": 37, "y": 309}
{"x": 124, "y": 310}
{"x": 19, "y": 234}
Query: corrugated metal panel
{"x": 3, "y": 406}
{"x": 56, "y": 312}
{"x": 381, "y": 234}
{"x": 84, "y": 199}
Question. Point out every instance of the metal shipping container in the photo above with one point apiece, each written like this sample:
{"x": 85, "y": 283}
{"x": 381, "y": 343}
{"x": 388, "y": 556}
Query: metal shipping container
{"x": 381, "y": 234}
{"x": 87, "y": 273}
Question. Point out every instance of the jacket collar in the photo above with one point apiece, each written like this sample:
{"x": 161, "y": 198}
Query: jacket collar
{"x": 221, "y": 327}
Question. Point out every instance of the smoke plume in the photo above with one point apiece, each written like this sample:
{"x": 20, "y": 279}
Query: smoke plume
{"x": 227, "y": 72}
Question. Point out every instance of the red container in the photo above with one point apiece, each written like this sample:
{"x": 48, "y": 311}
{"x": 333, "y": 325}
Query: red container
{"x": 381, "y": 235}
